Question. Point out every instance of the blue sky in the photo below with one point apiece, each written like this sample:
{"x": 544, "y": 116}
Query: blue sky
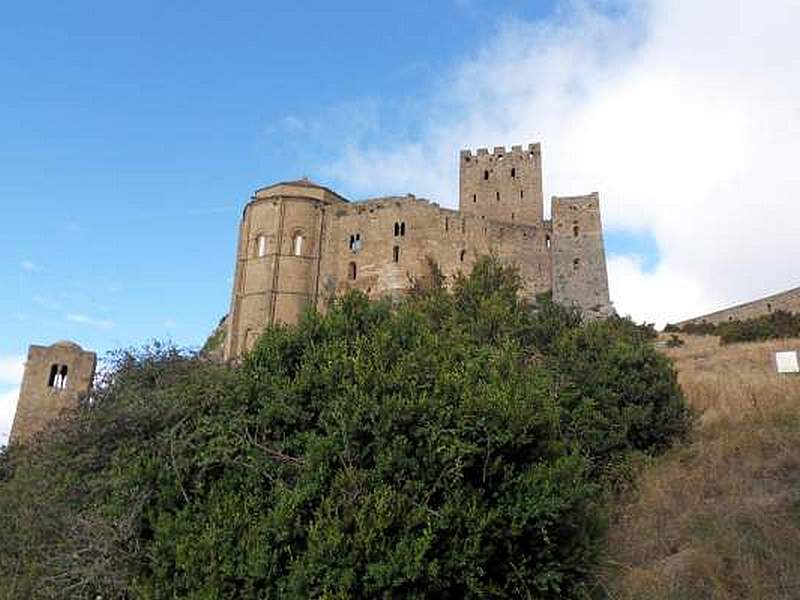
{"x": 131, "y": 135}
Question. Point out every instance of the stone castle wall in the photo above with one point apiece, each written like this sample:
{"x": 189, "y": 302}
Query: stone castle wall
{"x": 788, "y": 301}
{"x": 56, "y": 378}
{"x": 300, "y": 243}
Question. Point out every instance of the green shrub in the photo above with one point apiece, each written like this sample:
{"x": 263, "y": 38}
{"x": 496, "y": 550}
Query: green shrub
{"x": 775, "y": 325}
{"x": 455, "y": 445}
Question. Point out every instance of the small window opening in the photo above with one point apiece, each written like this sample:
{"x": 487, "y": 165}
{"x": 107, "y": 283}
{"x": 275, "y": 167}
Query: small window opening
{"x": 355, "y": 242}
{"x": 446, "y": 224}
{"x": 63, "y": 373}
{"x": 486, "y": 175}
{"x": 547, "y": 241}
{"x": 769, "y": 307}
{"x": 513, "y": 172}
{"x": 575, "y": 230}
{"x": 575, "y": 264}
{"x": 352, "y": 270}
{"x": 396, "y": 254}
{"x": 396, "y": 229}
{"x": 51, "y": 381}
{"x": 402, "y": 229}
{"x": 262, "y": 246}
{"x": 297, "y": 244}
{"x": 497, "y": 195}
{"x": 474, "y": 198}
{"x": 521, "y": 194}
{"x": 512, "y": 216}
{"x": 461, "y": 255}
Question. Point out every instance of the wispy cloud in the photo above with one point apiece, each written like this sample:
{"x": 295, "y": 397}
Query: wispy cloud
{"x": 11, "y": 369}
{"x": 30, "y": 266}
{"x": 91, "y": 321}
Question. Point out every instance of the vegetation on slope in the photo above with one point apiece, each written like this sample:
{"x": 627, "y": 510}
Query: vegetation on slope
{"x": 776, "y": 325}
{"x": 719, "y": 516}
{"x": 455, "y": 445}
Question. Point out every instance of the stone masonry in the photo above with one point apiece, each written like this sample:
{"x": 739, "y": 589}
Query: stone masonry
{"x": 300, "y": 243}
{"x": 788, "y": 301}
{"x": 56, "y": 377}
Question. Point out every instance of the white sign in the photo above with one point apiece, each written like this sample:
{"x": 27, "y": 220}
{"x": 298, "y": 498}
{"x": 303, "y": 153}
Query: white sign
{"x": 787, "y": 362}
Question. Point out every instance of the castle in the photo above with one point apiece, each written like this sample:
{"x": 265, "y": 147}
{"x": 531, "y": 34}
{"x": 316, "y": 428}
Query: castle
{"x": 300, "y": 243}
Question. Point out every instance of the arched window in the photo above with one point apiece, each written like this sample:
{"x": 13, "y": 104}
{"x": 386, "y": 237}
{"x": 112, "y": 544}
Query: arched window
{"x": 461, "y": 255}
{"x": 396, "y": 254}
{"x": 63, "y": 374}
{"x": 396, "y": 229}
{"x": 575, "y": 264}
{"x": 403, "y": 229}
{"x": 261, "y": 246}
{"x": 355, "y": 242}
{"x": 352, "y": 271}
{"x": 51, "y": 381}
{"x": 297, "y": 244}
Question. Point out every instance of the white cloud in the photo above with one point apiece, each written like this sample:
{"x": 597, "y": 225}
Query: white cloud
{"x": 91, "y": 321}
{"x": 30, "y": 266}
{"x": 8, "y": 404}
{"x": 683, "y": 114}
{"x": 11, "y": 369}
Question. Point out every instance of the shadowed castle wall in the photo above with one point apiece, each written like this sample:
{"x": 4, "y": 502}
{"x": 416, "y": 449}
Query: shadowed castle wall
{"x": 41, "y": 398}
{"x": 579, "y": 258}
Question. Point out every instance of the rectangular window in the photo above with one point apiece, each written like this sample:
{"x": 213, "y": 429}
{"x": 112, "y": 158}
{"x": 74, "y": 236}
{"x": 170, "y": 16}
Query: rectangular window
{"x": 396, "y": 254}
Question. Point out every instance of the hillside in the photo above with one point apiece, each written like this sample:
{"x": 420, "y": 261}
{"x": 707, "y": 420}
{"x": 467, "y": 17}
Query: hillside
{"x": 718, "y": 517}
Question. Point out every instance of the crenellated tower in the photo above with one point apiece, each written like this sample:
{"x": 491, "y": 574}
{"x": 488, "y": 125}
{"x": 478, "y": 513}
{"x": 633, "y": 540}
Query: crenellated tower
{"x": 502, "y": 185}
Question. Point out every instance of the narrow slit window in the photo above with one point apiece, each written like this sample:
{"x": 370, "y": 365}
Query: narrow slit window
{"x": 402, "y": 229}
{"x": 521, "y": 194}
{"x": 512, "y": 216}
{"x": 51, "y": 381}
{"x": 463, "y": 226}
{"x": 261, "y": 246}
{"x": 396, "y": 229}
{"x": 297, "y": 244}
{"x": 474, "y": 198}
{"x": 575, "y": 229}
{"x": 513, "y": 172}
{"x": 486, "y": 175}
{"x": 576, "y": 263}
{"x": 63, "y": 373}
{"x": 352, "y": 271}
{"x": 497, "y": 194}
{"x": 446, "y": 224}
{"x": 396, "y": 254}
{"x": 461, "y": 255}
{"x": 547, "y": 241}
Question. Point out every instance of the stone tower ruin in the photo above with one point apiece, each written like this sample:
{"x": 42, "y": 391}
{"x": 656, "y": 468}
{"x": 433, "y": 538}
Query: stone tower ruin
{"x": 301, "y": 243}
{"x": 56, "y": 377}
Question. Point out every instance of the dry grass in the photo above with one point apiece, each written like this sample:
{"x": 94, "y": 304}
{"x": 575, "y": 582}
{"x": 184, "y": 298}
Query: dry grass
{"x": 718, "y": 517}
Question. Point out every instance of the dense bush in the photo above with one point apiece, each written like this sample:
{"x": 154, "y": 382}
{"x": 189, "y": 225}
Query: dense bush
{"x": 454, "y": 445}
{"x": 775, "y": 325}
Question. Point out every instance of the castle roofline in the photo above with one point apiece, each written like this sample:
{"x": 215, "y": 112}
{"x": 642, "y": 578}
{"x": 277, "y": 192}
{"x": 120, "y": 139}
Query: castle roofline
{"x": 298, "y": 187}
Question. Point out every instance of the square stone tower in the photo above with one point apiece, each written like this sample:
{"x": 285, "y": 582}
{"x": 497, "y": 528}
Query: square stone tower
{"x": 501, "y": 185}
{"x": 56, "y": 377}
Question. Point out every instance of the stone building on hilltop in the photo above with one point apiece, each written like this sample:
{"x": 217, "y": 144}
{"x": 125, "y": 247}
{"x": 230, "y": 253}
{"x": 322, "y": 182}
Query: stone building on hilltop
{"x": 300, "y": 243}
{"x": 56, "y": 378}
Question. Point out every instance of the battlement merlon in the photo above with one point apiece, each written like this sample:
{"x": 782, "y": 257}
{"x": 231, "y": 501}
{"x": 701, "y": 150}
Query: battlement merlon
{"x": 592, "y": 198}
{"x": 499, "y": 152}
